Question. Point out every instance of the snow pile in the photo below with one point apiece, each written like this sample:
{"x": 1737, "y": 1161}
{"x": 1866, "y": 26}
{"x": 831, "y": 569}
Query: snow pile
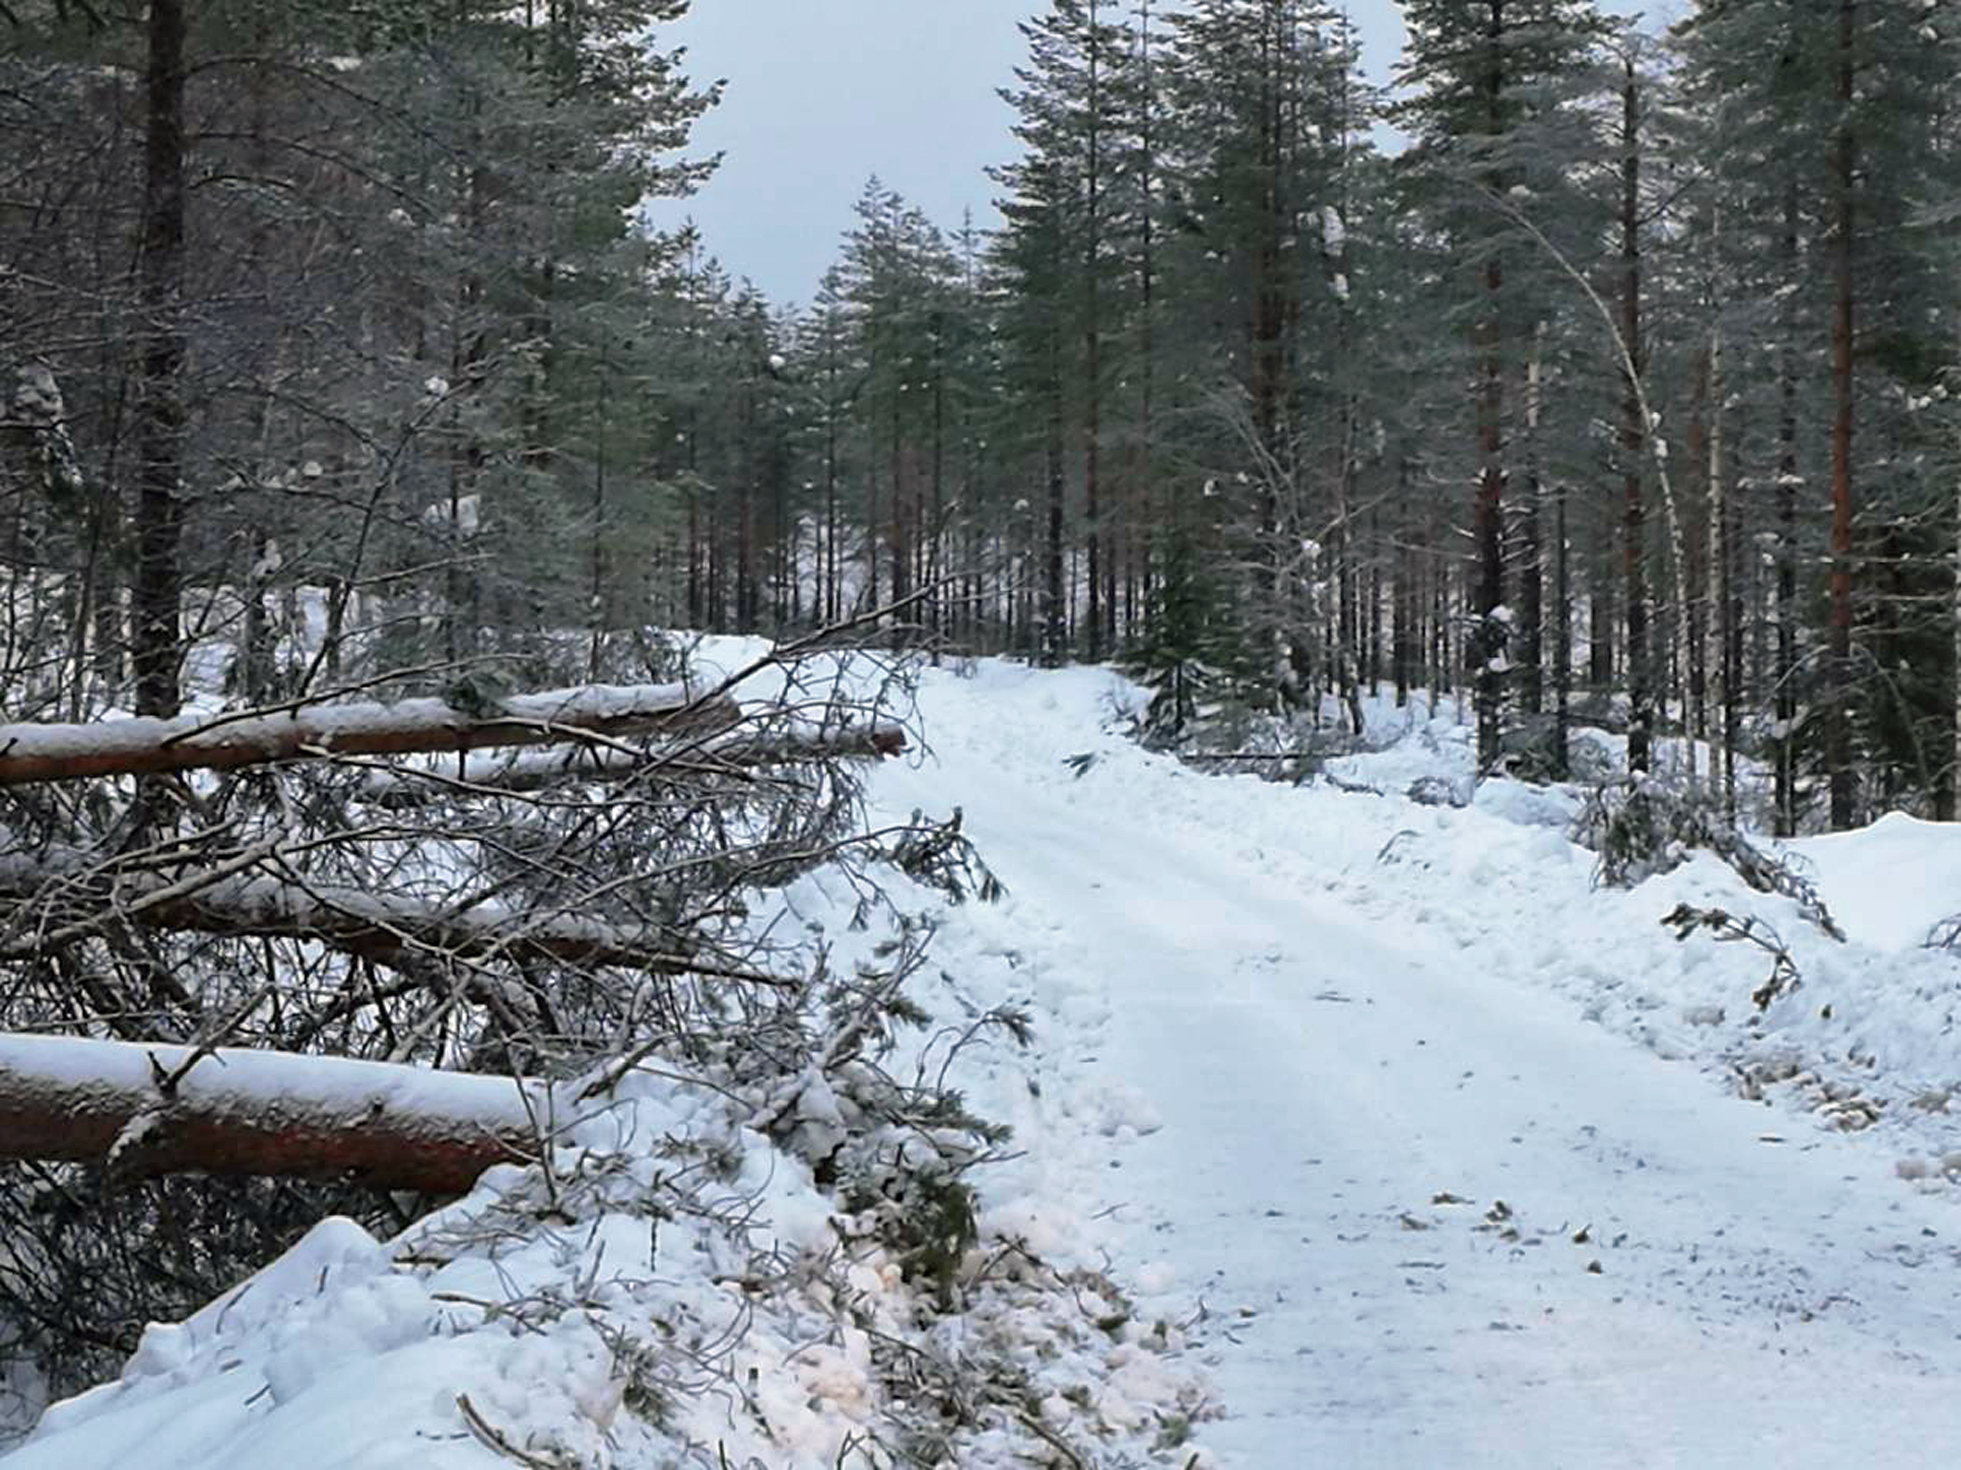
{"x": 1891, "y": 884}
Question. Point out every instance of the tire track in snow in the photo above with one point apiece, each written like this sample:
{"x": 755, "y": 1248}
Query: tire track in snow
{"x": 1345, "y": 1103}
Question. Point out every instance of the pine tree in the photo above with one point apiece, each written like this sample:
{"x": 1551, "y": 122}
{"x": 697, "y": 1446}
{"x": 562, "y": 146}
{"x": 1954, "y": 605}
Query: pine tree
{"x": 1253, "y": 164}
{"x": 1843, "y": 126}
{"x": 1491, "y": 125}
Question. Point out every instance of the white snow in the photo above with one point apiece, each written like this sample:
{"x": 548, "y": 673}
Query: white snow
{"x": 1334, "y": 231}
{"x": 1892, "y": 882}
{"x": 1426, "y": 1151}
{"x": 1365, "y": 1023}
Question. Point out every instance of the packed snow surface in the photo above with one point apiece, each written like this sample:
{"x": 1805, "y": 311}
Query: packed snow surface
{"x": 1466, "y": 1162}
{"x": 1430, "y": 1152}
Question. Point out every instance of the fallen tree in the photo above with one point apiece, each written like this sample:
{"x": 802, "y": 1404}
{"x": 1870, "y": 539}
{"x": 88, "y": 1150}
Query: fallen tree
{"x": 149, "y": 1110}
{"x": 401, "y": 788}
{"x": 74, "y": 900}
{"x": 599, "y": 712}
{"x": 571, "y": 881}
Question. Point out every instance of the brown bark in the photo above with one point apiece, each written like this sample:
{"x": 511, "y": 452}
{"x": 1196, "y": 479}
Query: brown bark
{"x": 1786, "y": 670}
{"x": 266, "y": 1113}
{"x": 1093, "y": 349}
{"x": 1488, "y": 508}
{"x": 1531, "y": 571}
{"x": 1055, "y": 611}
{"x": 1634, "y": 440}
{"x": 152, "y": 746}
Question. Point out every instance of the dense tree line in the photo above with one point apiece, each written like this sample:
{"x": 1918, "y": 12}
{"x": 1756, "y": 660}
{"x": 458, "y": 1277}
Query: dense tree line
{"x": 1624, "y": 391}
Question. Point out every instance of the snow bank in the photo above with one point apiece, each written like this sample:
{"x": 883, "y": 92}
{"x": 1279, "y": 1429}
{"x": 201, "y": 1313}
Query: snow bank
{"x": 1889, "y": 884}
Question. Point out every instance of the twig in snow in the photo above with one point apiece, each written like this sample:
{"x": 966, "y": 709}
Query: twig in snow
{"x": 1784, "y": 978}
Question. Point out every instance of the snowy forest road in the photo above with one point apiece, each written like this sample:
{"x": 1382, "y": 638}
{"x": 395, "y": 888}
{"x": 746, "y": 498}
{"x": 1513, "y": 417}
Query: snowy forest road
{"x": 1435, "y": 1217}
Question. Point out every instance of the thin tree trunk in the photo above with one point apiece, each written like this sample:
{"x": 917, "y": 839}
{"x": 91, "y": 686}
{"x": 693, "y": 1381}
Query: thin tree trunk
{"x": 1054, "y": 612}
{"x": 1487, "y": 516}
{"x": 596, "y": 594}
{"x": 1838, "y": 729}
{"x": 1786, "y": 669}
{"x": 1562, "y": 638}
{"x": 157, "y": 592}
{"x": 1093, "y": 338}
{"x": 1146, "y": 521}
{"x": 1954, "y": 687}
{"x": 1532, "y": 582}
{"x": 1634, "y": 439}
{"x": 1722, "y": 612}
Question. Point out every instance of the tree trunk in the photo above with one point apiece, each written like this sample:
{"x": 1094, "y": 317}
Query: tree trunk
{"x": 1487, "y": 521}
{"x": 73, "y": 900}
{"x": 1722, "y": 618}
{"x": 156, "y": 595}
{"x": 30, "y": 753}
{"x": 1093, "y": 341}
{"x": 1488, "y": 509}
{"x": 150, "y": 1110}
{"x": 398, "y": 789}
{"x": 1562, "y": 639}
{"x": 1634, "y": 440}
{"x": 1954, "y": 755}
{"x": 1838, "y": 725}
{"x": 1786, "y": 671}
{"x": 1145, "y": 519}
{"x": 1532, "y": 581}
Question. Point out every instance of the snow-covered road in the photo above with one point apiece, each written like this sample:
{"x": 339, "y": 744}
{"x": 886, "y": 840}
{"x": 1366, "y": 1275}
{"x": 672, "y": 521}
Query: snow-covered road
{"x": 1435, "y": 1217}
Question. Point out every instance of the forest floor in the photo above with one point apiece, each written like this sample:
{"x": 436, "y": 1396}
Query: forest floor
{"x": 1399, "y": 1142}
{"x": 1449, "y": 1158}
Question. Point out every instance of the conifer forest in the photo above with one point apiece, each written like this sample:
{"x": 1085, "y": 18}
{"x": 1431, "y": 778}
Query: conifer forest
{"x": 452, "y": 625}
{"x": 1625, "y": 383}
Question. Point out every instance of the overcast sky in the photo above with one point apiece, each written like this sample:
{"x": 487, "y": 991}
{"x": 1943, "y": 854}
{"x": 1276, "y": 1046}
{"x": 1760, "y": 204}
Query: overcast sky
{"x": 824, "y": 93}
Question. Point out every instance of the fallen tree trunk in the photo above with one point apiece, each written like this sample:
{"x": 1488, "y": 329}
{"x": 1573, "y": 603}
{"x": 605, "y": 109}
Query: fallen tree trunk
{"x": 401, "y": 789}
{"x": 76, "y": 901}
{"x": 31, "y": 753}
{"x": 143, "y": 1111}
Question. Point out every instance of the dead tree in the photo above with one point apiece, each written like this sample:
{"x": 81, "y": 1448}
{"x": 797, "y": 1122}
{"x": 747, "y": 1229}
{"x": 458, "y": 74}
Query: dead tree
{"x": 453, "y": 897}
